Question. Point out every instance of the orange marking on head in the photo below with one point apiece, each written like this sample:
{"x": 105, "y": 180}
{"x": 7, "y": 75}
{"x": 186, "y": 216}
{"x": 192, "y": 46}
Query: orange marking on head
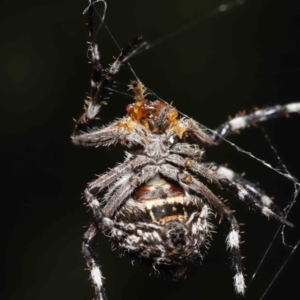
{"x": 148, "y": 113}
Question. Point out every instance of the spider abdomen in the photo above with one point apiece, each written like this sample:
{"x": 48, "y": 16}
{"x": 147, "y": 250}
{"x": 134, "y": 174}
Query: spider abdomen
{"x": 167, "y": 232}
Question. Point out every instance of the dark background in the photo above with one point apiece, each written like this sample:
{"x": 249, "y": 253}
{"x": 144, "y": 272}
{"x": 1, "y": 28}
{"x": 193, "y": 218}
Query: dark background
{"x": 249, "y": 56}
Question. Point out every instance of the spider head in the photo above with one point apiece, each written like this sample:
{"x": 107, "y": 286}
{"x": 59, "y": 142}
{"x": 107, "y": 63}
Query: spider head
{"x": 156, "y": 116}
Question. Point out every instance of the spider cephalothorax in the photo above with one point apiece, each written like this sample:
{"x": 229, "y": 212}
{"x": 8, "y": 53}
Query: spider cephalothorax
{"x": 156, "y": 206}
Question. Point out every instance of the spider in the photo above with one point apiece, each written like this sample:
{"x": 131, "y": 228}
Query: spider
{"x": 156, "y": 207}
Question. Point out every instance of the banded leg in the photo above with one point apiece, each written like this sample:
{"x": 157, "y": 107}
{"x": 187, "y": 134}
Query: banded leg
{"x": 233, "y": 239}
{"x": 257, "y": 192}
{"x": 89, "y": 240}
{"x": 237, "y": 188}
{"x": 101, "y": 79}
{"x": 233, "y": 244}
{"x": 262, "y": 115}
{"x": 247, "y": 198}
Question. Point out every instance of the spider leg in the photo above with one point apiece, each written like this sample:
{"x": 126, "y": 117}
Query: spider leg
{"x": 237, "y": 124}
{"x": 262, "y": 115}
{"x": 245, "y": 196}
{"x": 193, "y": 130}
{"x": 239, "y": 189}
{"x": 117, "y": 132}
{"x": 104, "y": 137}
{"x": 233, "y": 239}
{"x": 130, "y": 164}
{"x": 185, "y": 149}
{"x": 125, "y": 186}
{"x": 257, "y": 192}
{"x": 89, "y": 240}
{"x": 102, "y": 222}
{"x": 101, "y": 79}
